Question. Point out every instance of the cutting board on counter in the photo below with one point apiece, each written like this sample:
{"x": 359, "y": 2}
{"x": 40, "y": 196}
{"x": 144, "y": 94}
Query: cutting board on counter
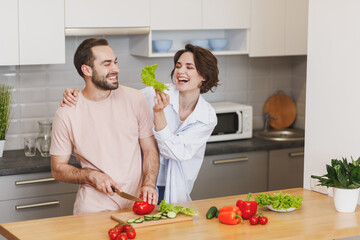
{"x": 124, "y": 216}
{"x": 281, "y": 107}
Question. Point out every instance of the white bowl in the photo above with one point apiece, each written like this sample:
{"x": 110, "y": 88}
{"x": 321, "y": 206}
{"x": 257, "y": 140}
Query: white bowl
{"x": 281, "y": 210}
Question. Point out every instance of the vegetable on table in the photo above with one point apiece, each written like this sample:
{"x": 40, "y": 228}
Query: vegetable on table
{"x": 248, "y": 208}
{"x": 279, "y": 200}
{"x": 263, "y": 220}
{"x": 168, "y": 207}
{"x": 148, "y": 78}
{"x": 254, "y": 220}
{"x": 230, "y": 215}
{"x": 212, "y": 212}
{"x": 143, "y": 208}
{"x": 122, "y": 232}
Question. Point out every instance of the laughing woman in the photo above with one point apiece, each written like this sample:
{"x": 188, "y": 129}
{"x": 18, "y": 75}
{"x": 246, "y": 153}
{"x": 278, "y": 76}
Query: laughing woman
{"x": 183, "y": 120}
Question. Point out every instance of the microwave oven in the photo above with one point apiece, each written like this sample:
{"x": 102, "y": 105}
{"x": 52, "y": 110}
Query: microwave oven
{"x": 234, "y": 121}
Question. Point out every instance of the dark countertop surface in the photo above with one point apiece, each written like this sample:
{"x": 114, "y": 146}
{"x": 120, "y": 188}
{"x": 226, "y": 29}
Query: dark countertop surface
{"x": 15, "y": 162}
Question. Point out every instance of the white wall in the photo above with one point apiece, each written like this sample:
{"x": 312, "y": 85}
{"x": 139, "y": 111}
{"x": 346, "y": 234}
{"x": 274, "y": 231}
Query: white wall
{"x": 332, "y": 119}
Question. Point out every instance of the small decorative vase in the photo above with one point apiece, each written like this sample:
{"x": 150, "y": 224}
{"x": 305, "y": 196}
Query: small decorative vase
{"x": 2, "y": 145}
{"x": 345, "y": 200}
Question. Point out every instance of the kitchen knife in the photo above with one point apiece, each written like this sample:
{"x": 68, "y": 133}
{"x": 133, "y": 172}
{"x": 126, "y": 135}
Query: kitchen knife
{"x": 126, "y": 195}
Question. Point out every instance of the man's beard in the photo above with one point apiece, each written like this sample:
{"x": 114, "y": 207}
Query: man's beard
{"x": 102, "y": 83}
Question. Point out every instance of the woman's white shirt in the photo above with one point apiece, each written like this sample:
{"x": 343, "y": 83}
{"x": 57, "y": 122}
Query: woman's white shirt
{"x": 181, "y": 144}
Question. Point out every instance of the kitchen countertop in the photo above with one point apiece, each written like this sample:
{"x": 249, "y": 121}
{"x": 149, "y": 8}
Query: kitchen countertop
{"x": 15, "y": 162}
{"x": 315, "y": 219}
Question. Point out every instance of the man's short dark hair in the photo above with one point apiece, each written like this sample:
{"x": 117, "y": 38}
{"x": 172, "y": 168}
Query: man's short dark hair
{"x": 84, "y": 55}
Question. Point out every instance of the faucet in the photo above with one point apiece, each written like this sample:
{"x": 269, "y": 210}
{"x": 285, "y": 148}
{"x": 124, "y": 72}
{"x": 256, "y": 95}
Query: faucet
{"x": 267, "y": 117}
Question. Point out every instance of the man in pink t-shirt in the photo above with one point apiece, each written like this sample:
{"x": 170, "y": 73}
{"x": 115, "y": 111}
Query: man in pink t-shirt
{"x": 108, "y": 129}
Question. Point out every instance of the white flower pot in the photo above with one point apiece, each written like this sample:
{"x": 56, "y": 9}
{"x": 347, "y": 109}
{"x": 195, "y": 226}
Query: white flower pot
{"x": 2, "y": 145}
{"x": 346, "y": 200}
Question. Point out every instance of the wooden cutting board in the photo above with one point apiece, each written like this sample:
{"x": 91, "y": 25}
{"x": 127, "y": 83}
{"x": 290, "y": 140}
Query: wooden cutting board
{"x": 283, "y": 108}
{"x": 124, "y": 216}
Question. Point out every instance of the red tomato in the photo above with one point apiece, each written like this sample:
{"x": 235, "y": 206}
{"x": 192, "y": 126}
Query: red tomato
{"x": 253, "y": 220}
{"x": 127, "y": 227}
{"x": 130, "y": 233}
{"x": 122, "y": 236}
{"x": 263, "y": 220}
{"x": 120, "y": 227}
{"x": 113, "y": 233}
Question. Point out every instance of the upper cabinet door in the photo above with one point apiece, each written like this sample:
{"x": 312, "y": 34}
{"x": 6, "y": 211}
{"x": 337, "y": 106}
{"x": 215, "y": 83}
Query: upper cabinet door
{"x": 226, "y": 14}
{"x": 175, "y": 15}
{"x": 267, "y": 32}
{"x": 107, "y": 13}
{"x": 296, "y": 27}
{"x": 9, "y": 45}
{"x": 41, "y": 31}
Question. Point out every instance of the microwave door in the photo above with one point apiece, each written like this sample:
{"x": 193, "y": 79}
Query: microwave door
{"x": 240, "y": 123}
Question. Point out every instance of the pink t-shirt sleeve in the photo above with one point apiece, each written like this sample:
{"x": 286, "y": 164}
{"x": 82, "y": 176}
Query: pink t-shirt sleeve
{"x": 60, "y": 136}
{"x": 145, "y": 122}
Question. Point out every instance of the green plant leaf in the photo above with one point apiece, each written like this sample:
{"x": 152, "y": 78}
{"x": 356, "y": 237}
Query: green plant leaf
{"x": 341, "y": 175}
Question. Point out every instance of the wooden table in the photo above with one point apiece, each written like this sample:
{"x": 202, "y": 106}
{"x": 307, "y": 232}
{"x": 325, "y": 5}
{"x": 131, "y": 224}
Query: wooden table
{"x": 315, "y": 219}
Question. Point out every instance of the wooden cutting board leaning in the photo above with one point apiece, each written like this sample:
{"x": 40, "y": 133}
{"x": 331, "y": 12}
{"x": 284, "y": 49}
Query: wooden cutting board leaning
{"x": 124, "y": 216}
{"x": 282, "y": 110}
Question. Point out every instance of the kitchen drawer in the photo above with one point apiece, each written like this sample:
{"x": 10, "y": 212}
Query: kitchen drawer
{"x": 32, "y": 185}
{"x": 59, "y": 205}
{"x": 231, "y": 174}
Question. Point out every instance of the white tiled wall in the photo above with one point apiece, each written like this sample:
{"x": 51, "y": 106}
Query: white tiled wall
{"x": 38, "y": 88}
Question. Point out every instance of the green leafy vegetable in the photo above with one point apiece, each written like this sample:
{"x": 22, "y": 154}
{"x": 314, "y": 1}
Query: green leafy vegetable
{"x": 148, "y": 78}
{"x": 168, "y": 207}
{"x": 279, "y": 200}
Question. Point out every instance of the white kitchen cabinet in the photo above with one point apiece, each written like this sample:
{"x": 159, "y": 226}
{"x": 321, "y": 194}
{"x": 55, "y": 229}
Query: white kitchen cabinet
{"x": 278, "y": 27}
{"x": 41, "y": 32}
{"x": 226, "y": 14}
{"x": 107, "y": 13}
{"x": 34, "y": 195}
{"x": 195, "y": 19}
{"x": 9, "y": 44}
{"x": 32, "y": 32}
{"x": 286, "y": 168}
{"x": 231, "y": 174}
{"x": 173, "y": 15}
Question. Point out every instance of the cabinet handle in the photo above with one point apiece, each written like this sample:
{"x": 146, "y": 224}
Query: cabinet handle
{"x": 296, "y": 154}
{"x": 31, "y": 181}
{"x": 35, "y": 205}
{"x": 231, "y": 160}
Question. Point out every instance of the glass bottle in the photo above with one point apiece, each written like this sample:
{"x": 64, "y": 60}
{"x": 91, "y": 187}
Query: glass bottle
{"x": 44, "y": 138}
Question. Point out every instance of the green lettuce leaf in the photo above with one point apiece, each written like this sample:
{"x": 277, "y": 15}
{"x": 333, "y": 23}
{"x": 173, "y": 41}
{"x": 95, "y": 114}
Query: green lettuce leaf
{"x": 168, "y": 207}
{"x": 148, "y": 78}
{"x": 279, "y": 200}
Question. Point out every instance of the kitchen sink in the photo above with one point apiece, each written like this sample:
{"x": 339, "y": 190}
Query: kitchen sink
{"x": 290, "y": 134}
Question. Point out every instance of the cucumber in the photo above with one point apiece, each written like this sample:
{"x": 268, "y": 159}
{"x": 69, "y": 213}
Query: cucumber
{"x": 163, "y": 217}
{"x": 131, "y": 220}
{"x": 148, "y": 217}
{"x": 164, "y": 214}
{"x": 211, "y": 213}
{"x": 171, "y": 215}
{"x": 139, "y": 220}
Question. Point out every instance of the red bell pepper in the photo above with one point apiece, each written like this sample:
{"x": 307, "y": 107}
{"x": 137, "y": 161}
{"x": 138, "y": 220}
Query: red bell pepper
{"x": 230, "y": 215}
{"x": 248, "y": 208}
{"x": 143, "y": 208}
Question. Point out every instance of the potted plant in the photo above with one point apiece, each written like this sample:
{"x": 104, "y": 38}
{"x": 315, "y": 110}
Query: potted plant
{"x": 344, "y": 177}
{"x": 5, "y": 109}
